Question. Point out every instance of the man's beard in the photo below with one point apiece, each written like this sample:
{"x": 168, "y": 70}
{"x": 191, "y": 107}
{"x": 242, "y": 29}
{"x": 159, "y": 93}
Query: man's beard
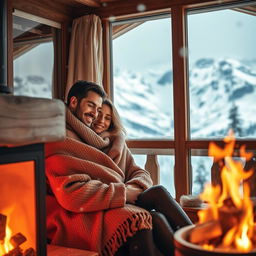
{"x": 77, "y": 113}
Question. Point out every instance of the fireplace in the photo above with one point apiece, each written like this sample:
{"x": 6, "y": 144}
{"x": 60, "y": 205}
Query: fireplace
{"x": 26, "y": 123}
{"x": 22, "y": 205}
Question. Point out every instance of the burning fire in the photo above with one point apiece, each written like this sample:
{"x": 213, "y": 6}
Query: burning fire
{"x": 5, "y": 245}
{"x": 10, "y": 244}
{"x": 228, "y": 222}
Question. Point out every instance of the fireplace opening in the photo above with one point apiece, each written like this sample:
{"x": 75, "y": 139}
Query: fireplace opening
{"x": 22, "y": 204}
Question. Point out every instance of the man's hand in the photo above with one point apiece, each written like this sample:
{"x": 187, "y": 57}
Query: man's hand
{"x": 132, "y": 192}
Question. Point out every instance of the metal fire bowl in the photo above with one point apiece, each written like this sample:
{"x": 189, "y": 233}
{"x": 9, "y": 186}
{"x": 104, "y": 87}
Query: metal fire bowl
{"x": 185, "y": 248}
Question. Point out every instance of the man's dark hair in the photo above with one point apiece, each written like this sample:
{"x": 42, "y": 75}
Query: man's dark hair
{"x": 81, "y": 88}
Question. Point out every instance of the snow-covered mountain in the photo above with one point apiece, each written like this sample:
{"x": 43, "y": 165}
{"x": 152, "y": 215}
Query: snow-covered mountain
{"x": 216, "y": 88}
{"x": 33, "y": 86}
{"x": 143, "y": 113}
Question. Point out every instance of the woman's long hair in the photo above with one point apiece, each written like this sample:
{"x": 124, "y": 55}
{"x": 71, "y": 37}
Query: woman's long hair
{"x": 116, "y": 126}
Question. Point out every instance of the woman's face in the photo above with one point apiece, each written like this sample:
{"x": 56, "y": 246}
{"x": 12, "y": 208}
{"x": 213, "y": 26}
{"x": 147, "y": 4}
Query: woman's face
{"x": 103, "y": 120}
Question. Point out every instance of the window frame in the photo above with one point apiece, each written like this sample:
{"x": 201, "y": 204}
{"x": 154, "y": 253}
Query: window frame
{"x": 59, "y": 44}
{"x": 182, "y": 144}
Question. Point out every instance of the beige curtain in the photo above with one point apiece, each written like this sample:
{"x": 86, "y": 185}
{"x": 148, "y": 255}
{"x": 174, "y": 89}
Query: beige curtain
{"x": 85, "y": 54}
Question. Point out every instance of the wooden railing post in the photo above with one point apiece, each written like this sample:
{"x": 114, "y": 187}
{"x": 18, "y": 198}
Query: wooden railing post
{"x": 153, "y": 167}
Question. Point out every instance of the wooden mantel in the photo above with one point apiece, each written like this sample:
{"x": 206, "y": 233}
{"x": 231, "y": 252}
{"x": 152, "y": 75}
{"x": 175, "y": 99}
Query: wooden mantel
{"x": 26, "y": 120}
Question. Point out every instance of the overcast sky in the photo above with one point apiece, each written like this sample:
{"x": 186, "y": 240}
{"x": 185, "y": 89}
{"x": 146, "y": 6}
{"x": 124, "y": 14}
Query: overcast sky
{"x": 38, "y": 61}
{"x": 223, "y": 33}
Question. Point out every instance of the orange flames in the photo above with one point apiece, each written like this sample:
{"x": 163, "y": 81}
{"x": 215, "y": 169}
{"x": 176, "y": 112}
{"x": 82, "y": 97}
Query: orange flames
{"x": 230, "y": 207}
{"x": 5, "y": 245}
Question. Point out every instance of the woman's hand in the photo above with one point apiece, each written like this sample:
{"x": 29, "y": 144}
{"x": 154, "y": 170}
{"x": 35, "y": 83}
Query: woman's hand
{"x": 132, "y": 192}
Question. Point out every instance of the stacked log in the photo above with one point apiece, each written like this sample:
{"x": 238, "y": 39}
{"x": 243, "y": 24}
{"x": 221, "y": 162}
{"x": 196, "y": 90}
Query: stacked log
{"x": 16, "y": 240}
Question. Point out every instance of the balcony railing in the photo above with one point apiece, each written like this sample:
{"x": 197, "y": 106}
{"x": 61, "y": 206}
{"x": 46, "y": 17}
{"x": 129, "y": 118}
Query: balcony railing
{"x": 152, "y": 165}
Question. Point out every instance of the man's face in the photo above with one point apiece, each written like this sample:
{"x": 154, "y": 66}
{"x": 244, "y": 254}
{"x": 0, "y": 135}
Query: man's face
{"x": 87, "y": 110}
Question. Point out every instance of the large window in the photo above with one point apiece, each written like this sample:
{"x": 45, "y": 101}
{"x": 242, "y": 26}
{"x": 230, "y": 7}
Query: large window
{"x": 33, "y": 58}
{"x": 213, "y": 79}
{"x": 142, "y": 64}
{"x": 222, "y": 74}
{"x": 143, "y": 86}
{"x": 222, "y": 78}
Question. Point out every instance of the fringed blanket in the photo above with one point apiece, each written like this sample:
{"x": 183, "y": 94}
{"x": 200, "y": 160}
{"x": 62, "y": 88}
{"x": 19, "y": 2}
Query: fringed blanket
{"x": 87, "y": 208}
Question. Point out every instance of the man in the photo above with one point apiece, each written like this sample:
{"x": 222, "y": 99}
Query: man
{"x": 85, "y": 100}
{"x": 87, "y": 207}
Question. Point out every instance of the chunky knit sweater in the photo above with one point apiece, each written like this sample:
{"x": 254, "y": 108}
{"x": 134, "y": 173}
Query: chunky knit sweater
{"x": 87, "y": 174}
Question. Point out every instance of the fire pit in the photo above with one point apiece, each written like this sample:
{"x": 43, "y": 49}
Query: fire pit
{"x": 185, "y": 248}
{"x": 227, "y": 225}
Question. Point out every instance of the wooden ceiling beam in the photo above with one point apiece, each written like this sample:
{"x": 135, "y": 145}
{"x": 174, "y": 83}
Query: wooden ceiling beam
{"x": 119, "y": 8}
{"x": 121, "y": 29}
{"x": 137, "y": 7}
{"x": 51, "y": 10}
{"x": 90, "y": 3}
{"x": 18, "y": 51}
{"x": 247, "y": 10}
{"x": 107, "y": 1}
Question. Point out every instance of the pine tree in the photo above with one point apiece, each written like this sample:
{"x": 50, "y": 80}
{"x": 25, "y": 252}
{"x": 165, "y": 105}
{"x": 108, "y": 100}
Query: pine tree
{"x": 200, "y": 178}
{"x": 235, "y": 121}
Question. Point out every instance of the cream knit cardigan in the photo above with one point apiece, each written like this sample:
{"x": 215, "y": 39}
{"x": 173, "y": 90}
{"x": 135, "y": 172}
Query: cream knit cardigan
{"x": 87, "y": 207}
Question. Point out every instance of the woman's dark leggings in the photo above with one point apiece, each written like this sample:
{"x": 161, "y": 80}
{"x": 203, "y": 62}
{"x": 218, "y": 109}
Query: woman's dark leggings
{"x": 141, "y": 244}
{"x": 159, "y": 199}
{"x": 167, "y": 216}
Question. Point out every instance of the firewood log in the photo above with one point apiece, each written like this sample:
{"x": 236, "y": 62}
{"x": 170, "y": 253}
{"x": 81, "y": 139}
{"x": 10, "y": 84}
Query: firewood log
{"x": 17, "y": 239}
{"x": 29, "y": 252}
{"x": 205, "y": 232}
{"x": 14, "y": 252}
{"x": 229, "y": 212}
{"x": 3, "y": 219}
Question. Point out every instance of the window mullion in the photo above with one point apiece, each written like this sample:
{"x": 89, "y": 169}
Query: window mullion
{"x": 181, "y": 173}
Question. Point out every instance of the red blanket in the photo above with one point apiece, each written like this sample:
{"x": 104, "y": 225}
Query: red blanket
{"x": 87, "y": 208}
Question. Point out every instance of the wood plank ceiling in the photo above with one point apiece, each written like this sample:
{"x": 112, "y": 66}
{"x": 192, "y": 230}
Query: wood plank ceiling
{"x": 67, "y": 10}
{"x": 88, "y": 3}
{"x": 104, "y": 8}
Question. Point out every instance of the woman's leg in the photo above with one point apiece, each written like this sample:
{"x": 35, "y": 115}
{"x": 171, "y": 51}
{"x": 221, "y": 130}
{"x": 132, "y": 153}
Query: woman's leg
{"x": 162, "y": 233}
{"x": 159, "y": 199}
{"x": 142, "y": 244}
{"x": 122, "y": 251}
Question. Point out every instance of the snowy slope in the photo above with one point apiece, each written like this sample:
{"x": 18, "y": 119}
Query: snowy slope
{"x": 145, "y": 100}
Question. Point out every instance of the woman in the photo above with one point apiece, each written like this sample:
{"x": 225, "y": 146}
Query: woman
{"x": 167, "y": 216}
